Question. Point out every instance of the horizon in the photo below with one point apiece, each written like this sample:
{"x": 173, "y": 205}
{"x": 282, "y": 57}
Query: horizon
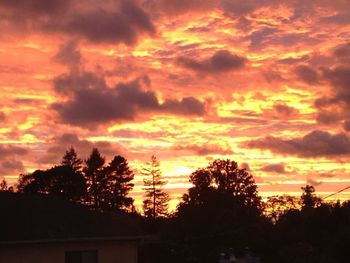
{"x": 263, "y": 83}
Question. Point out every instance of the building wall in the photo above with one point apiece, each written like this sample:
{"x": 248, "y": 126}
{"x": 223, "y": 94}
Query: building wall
{"x": 108, "y": 252}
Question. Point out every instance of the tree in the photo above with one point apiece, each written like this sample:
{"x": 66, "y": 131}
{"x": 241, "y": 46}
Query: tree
{"x": 222, "y": 209}
{"x": 67, "y": 183}
{"x": 71, "y": 159}
{"x": 59, "y": 180}
{"x": 308, "y": 197}
{"x": 224, "y": 177}
{"x": 119, "y": 177}
{"x": 95, "y": 178}
{"x": 276, "y": 206}
{"x": 65, "y": 180}
{"x": 155, "y": 204}
{"x": 4, "y": 186}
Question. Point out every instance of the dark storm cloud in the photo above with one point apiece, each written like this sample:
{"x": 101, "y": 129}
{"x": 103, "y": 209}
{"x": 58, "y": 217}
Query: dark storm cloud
{"x": 221, "y": 61}
{"x": 91, "y": 102}
{"x": 123, "y": 22}
{"x": 314, "y": 144}
{"x": 274, "y": 168}
{"x": 307, "y": 74}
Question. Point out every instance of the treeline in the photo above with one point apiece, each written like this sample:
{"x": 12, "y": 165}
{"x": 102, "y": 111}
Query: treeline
{"x": 101, "y": 186}
{"x": 222, "y": 211}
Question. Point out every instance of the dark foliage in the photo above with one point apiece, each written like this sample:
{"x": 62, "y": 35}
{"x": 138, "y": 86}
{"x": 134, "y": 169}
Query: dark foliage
{"x": 118, "y": 184}
{"x": 60, "y": 181}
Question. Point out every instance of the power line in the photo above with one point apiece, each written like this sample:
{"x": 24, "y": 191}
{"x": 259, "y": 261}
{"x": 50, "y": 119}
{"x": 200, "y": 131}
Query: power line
{"x": 348, "y": 187}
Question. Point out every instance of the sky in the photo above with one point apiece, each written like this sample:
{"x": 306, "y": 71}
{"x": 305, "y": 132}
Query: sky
{"x": 265, "y": 83}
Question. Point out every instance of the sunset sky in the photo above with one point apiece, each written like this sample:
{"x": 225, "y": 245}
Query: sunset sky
{"x": 263, "y": 82}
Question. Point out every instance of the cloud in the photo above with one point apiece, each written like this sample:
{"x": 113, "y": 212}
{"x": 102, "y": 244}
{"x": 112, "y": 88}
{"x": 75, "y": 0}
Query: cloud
{"x": 59, "y": 144}
{"x": 98, "y": 22}
{"x": 307, "y": 74}
{"x": 274, "y": 168}
{"x": 91, "y": 102}
{"x": 205, "y": 149}
{"x": 336, "y": 106}
{"x": 2, "y": 117}
{"x": 36, "y": 7}
{"x": 346, "y": 125}
{"x": 120, "y": 26}
{"x": 221, "y": 61}
{"x": 342, "y": 53}
{"x": 246, "y": 166}
{"x": 284, "y": 111}
{"x": 314, "y": 144}
{"x": 10, "y": 167}
{"x": 185, "y": 106}
{"x": 341, "y": 18}
{"x": 313, "y": 182}
{"x": 68, "y": 54}
{"x": 179, "y": 7}
{"x": 11, "y": 150}
{"x": 9, "y": 155}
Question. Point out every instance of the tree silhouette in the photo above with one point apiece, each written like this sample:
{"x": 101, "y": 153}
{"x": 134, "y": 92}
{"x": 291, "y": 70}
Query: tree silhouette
{"x": 95, "y": 178}
{"x": 308, "y": 197}
{"x": 60, "y": 180}
{"x": 65, "y": 180}
{"x": 223, "y": 176}
{"x": 156, "y": 200}
{"x": 4, "y": 186}
{"x": 71, "y": 159}
{"x": 221, "y": 209}
{"x": 119, "y": 177}
{"x": 276, "y": 206}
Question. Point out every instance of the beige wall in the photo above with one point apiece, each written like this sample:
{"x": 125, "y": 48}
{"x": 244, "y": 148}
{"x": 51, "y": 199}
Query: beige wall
{"x": 108, "y": 252}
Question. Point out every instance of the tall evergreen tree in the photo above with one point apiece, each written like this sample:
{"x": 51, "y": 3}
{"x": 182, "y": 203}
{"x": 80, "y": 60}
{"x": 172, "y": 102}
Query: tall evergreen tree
{"x": 95, "y": 178}
{"x": 119, "y": 177}
{"x": 71, "y": 159}
{"x": 156, "y": 201}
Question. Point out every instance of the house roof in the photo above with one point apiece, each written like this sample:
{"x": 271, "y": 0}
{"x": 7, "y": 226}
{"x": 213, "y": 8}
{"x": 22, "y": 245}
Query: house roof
{"x": 26, "y": 218}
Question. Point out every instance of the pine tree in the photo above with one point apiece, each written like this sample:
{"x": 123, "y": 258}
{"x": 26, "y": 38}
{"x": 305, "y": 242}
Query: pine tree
{"x": 95, "y": 178}
{"x": 71, "y": 159}
{"x": 155, "y": 204}
{"x": 118, "y": 176}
